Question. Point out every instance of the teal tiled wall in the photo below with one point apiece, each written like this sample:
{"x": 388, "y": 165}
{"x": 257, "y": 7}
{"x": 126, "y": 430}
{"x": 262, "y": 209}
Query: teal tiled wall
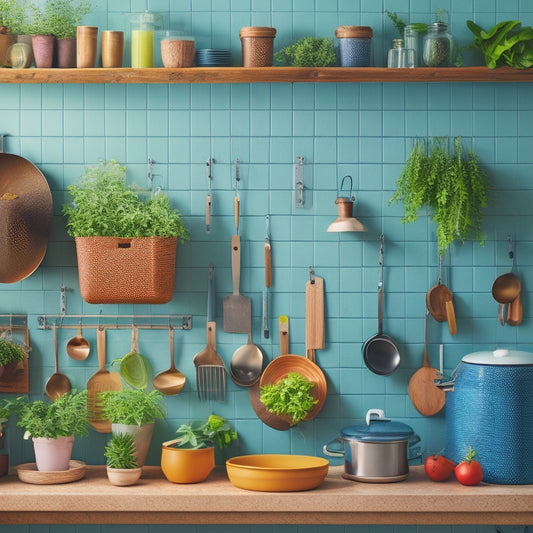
{"x": 365, "y": 130}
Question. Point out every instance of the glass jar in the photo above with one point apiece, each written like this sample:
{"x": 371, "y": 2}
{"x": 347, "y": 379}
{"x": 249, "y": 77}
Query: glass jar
{"x": 437, "y": 45}
{"x": 399, "y": 56}
{"x": 411, "y": 39}
{"x": 143, "y": 26}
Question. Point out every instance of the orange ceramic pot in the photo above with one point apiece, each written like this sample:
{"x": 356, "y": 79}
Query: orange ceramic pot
{"x": 187, "y": 466}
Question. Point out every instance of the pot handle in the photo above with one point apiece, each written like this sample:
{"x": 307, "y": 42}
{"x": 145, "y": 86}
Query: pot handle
{"x": 327, "y": 449}
{"x": 379, "y": 412}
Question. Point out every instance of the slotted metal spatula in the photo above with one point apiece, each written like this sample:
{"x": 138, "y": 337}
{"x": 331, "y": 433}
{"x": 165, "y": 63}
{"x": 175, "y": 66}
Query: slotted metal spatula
{"x": 210, "y": 369}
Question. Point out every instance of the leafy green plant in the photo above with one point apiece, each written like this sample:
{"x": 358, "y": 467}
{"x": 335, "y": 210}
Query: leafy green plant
{"x": 65, "y": 416}
{"x": 120, "y": 452}
{"x": 451, "y": 185}
{"x": 506, "y": 43}
{"x": 65, "y": 15}
{"x": 11, "y": 352}
{"x": 290, "y": 396}
{"x": 40, "y": 21}
{"x": 400, "y": 24}
{"x": 214, "y": 431}
{"x": 308, "y": 52}
{"x": 103, "y": 205}
{"x": 4, "y": 415}
{"x": 132, "y": 406}
{"x": 12, "y": 16}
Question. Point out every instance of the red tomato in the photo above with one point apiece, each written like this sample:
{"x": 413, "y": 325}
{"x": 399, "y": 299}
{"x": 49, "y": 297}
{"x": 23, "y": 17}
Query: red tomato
{"x": 469, "y": 472}
{"x": 438, "y": 467}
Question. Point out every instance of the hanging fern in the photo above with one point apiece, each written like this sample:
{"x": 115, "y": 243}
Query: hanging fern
{"x": 451, "y": 185}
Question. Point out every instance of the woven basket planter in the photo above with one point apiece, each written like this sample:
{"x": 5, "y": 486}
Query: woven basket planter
{"x": 126, "y": 270}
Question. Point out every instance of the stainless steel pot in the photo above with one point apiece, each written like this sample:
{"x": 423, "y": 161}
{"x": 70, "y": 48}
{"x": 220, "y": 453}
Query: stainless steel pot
{"x": 375, "y": 452}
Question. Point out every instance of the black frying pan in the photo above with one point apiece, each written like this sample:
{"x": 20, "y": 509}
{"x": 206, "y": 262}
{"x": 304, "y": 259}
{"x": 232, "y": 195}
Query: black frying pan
{"x": 26, "y": 211}
{"x": 380, "y": 353}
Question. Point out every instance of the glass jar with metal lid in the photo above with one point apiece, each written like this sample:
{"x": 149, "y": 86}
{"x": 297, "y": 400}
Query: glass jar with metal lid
{"x": 437, "y": 45}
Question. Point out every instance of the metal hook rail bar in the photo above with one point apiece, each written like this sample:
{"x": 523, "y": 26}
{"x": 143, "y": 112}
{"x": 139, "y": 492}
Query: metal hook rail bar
{"x": 116, "y": 321}
{"x": 16, "y": 321}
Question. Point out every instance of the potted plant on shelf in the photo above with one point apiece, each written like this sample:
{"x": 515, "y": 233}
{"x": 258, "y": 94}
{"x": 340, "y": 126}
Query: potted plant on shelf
{"x": 52, "y": 426}
{"x": 190, "y": 457}
{"x": 126, "y": 247}
{"x": 451, "y": 184}
{"x": 122, "y": 467}
{"x": 4, "y": 457}
{"x": 134, "y": 411}
{"x": 11, "y": 354}
{"x": 11, "y": 12}
{"x": 43, "y": 39}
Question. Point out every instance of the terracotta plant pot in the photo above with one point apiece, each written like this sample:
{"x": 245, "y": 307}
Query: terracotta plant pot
{"x": 52, "y": 455}
{"x": 6, "y": 40}
{"x": 187, "y": 466}
{"x": 66, "y": 53}
{"x": 142, "y": 435}
{"x": 43, "y": 50}
{"x": 122, "y": 477}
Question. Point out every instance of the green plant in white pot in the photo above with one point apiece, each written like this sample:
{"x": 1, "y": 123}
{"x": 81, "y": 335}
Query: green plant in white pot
{"x": 122, "y": 466}
{"x": 126, "y": 246}
{"x": 52, "y": 427}
{"x": 134, "y": 411}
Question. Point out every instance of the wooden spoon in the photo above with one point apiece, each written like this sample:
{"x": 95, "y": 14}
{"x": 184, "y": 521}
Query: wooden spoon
{"x": 439, "y": 301}
{"x": 57, "y": 384}
{"x": 514, "y": 312}
{"x": 427, "y": 398}
{"x": 170, "y": 381}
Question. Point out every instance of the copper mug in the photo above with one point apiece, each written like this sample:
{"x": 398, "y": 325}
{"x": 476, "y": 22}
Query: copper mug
{"x": 112, "y": 49}
{"x": 86, "y": 41}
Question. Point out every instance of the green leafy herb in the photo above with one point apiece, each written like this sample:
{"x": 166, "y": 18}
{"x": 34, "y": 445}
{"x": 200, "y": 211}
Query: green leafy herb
{"x": 59, "y": 17}
{"x": 120, "y": 452}
{"x": 215, "y": 431}
{"x": 398, "y": 23}
{"x": 506, "y": 43}
{"x": 290, "y": 396}
{"x": 11, "y": 352}
{"x": 103, "y": 205}
{"x": 12, "y": 16}
{"x": 453, "y": 186}
{"x": 65, "y": 416}
{"x": 308, "y": 52}
{"x": 132, "y": 406}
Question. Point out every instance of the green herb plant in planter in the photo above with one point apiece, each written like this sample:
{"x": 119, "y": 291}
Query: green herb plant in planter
{"x": 122, "y": 466}
{"x": 43, "y": 38}
{"x": 11, "y": 354}
{"x": 190, "y": 457}
{"x": 11, "y": 11}
{"x": 126, "y": 246}
{"x": 52, "y": 426}
{"x": 451, "y": 185}
{"x": 308, "y": 52}
{"x": 134, "y": 411}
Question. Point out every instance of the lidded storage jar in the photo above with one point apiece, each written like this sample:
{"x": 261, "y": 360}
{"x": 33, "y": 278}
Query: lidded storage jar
{"x": 355, "y": 45}
{"x": 257, "y": 46}
{"x": 437, "y": 45}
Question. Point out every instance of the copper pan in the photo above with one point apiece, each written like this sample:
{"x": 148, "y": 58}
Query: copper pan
{"x": 26, "y": 213}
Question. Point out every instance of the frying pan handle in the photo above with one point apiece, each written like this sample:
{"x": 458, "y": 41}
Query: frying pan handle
{"x": 283, "y": 335}
{"x": 380, "y": 308}
{"x": 211, "y": 295}
{"x": 450, "y": 316}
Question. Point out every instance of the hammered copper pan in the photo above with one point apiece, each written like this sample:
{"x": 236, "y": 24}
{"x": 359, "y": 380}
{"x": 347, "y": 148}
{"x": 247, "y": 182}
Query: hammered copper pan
{"x": 26, "y": 213}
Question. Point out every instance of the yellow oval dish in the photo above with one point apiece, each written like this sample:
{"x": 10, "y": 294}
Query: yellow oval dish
{"x": 277, "y": 473}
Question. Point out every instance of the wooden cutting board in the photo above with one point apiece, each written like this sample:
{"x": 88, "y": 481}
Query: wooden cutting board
{"x": 101, "y": 381}
{"x": 314, "y": 314}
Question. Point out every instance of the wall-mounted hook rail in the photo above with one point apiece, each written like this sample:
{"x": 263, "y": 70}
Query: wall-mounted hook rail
{"x": 299, "y": 181}
{"x": 116, "y": 321}
{"x": 15, "y": 321}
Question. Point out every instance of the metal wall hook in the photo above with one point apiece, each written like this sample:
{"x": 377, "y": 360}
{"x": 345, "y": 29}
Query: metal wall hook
{"x": 339, "y": 189}
{"x": 312, "y": 275}
{"x": 511, "y": 252}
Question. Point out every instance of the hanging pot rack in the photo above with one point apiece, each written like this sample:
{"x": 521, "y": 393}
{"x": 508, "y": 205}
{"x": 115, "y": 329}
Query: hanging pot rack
{"x": 183, "y": 322}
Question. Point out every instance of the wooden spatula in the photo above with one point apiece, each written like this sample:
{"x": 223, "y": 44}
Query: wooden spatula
{"x": 314, "y": 315}
{"x": 102, "y": 381}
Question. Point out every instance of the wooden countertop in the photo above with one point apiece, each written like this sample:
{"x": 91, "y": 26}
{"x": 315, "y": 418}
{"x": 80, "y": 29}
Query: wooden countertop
{"x": 154, "y": 500}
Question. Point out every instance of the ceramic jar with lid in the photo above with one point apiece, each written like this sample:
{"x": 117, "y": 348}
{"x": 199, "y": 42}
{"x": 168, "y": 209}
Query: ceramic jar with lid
{"x": 355, "y": 45}
{"x": 257, "y": 46}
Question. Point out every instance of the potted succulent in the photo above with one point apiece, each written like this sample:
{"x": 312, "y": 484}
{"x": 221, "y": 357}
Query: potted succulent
{"x": 121, "y": 460}
{"x": 11, "y": 12}
{"x": 134, "y": 411}
{"x": 11, "y": 354}
{"x": 52, "y": 426}
{"x": 126, "y": 246}
{"x": 190, "y": 457}
{"x": 4, "y": 458}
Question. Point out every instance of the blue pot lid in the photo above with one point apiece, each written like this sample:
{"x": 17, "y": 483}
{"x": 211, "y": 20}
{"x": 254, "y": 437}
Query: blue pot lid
{"x": 500, "y": 357}
{"x": 378, "y": 429}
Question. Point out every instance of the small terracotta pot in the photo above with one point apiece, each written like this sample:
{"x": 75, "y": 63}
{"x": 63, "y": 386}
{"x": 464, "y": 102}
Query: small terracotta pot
{"x": 52, "y": 455}
{"x": 43, "y": 50}
{"x": 122, "y": 477}
{"x": 6, "y": 40}
{"x": 66, "y": 53}
{"x": 187, "y": 466}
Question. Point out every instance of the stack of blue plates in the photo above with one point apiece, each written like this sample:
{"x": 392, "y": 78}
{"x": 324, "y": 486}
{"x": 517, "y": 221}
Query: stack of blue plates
{"x": 210, "y": 57}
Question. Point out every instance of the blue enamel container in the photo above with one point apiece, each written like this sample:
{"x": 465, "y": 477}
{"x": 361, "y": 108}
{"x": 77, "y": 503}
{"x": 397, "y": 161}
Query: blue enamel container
{"x": 490, "y": 407}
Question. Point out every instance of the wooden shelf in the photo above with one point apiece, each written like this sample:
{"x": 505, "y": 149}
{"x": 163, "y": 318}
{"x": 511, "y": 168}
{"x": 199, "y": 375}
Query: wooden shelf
{"x": 264, "y": 75}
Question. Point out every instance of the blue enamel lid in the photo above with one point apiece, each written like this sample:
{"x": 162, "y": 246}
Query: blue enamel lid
{"x": 378, "y": 429}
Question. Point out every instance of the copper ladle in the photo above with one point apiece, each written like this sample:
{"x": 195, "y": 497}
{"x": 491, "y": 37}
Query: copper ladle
{"x": 505, "y": 290}
{"x": 78, "y": 348}
{"x": 57, "y": 384}
{"x": 170, "y": 381}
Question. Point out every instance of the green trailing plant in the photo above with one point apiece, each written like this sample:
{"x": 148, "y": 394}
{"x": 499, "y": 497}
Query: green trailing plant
{"x": 507, "y": 43}
{"x": 215, "y": 431}
{"x": 290, "y": 396}
{"x": 104, "y": 205}
{"x": 11, "y": 352}
{"x": 13, "y": 17}
{"x": 65, "y": 416}
{"x": 400, "y": 24}
{"x": 308, "y": 52}
{"x": 452, "y": 185}
{"x": 120, "y": 452}
{"x": 65, "y": 15}
{"x": 132, "y": 406}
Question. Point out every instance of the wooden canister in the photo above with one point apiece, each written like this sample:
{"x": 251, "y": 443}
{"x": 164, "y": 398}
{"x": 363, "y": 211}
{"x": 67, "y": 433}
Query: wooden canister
{"x": 86, "y": 46}
{"x": 257, "y": 46}
{"x": 112, "y": 49}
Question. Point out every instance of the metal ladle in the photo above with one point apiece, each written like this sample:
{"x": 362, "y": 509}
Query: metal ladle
{"x": 170, "y": 381}
{"x": 57, "y": 384}
{"x": 78, "y": 348}
{"x": 505, "y": 290}
{"x": 246, "y": 364}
